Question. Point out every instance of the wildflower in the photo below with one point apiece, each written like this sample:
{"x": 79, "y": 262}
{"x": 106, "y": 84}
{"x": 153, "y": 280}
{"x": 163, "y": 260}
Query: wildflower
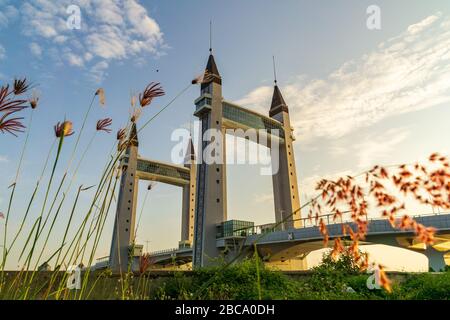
{"x": 205, "y": 77}
{"x": 11, "y": 125}
{"x": 34, "y": 100}
{"x": 152, "y": 91}
{"x": 101, "y": 96}
{"x": 20, "y": 86}
{"x": 337, "y": 249}
{"x": 136, "y": 114}
{"x": 133, "y": 100}
{"x": 121, "y": 134}
{"x": 7, "y": 105}
{"x": 63, "y": 129}
{"x": 144, "y": 262}
{"x": 103, "y": 125}
{"x": 384, "y": 280}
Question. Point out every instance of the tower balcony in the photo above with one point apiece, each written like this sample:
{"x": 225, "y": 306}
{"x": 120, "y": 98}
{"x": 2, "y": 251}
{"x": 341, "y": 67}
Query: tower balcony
{"x": 203, "y": 104}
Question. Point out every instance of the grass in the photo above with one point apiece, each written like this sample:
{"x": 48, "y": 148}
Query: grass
{"x": 240, "y": 282}
{"x": 37, "y": 229}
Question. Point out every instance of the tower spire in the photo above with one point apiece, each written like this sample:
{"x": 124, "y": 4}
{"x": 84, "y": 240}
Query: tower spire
{"x": 210, "y": 36}
{"x": 274, "y": 71}
{"x": 278, "y": 105}
{"x": 211, "y": 72}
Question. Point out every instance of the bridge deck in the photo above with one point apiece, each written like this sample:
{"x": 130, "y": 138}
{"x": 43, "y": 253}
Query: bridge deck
{"x": 376, "y": 227}
{"x": 163, "y": 172}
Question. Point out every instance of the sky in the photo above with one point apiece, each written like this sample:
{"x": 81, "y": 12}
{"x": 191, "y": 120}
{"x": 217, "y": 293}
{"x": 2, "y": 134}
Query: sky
{"x": 357, "y": 97}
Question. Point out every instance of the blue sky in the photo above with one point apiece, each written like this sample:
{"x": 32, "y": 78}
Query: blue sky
{"x": 357, "y": 97}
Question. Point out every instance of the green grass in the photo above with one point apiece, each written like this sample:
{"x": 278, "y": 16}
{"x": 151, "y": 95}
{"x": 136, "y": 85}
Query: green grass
{"x": 240, "y": 282}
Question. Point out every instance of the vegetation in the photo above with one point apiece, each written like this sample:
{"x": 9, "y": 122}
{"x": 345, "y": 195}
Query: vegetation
{"x": 248, "y": 279}
{"x": 330, "y": 281}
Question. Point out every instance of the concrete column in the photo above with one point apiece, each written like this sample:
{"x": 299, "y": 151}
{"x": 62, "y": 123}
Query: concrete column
{"x": 436, "y": 260}
{"x": 125, "y": 219}
{"x": 211, "y": 182}
{"x": 285, "y": 186}
{"x": 189, "y": 191}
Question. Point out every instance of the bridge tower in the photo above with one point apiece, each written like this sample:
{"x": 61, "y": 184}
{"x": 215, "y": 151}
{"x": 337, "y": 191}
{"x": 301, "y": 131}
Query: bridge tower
{"x": 211, "y": 203}
{"x": 188, "y": 210}
{"x": 124, "y": 223}
{"x": 285, "y": 187}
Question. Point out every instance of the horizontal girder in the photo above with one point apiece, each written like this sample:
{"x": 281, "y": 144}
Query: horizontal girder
{"x": 163, "y": 172}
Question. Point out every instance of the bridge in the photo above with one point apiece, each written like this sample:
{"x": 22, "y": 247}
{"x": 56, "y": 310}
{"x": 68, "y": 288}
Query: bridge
{"x": 206, "y": 231}
{"x": 290, "y": 244}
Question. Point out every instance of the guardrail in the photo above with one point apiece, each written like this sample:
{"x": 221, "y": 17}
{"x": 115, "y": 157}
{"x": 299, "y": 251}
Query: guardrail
{"x": 154, "y": 253}
{"x": 308, "y": 223}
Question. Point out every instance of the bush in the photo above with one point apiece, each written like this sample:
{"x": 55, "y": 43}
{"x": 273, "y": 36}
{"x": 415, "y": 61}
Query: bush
{"x": 425, "y": 287}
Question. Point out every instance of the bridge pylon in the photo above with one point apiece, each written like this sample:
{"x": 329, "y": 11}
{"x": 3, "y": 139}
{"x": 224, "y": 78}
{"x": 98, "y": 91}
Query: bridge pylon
{"x": 124, "y": 222}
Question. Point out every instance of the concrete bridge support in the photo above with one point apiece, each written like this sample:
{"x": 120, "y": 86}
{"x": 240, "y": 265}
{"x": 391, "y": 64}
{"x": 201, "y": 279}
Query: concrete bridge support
{"x": 436, "y": 259}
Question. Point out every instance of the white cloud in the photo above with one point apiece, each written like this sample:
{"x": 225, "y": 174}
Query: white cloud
{"x": 36, "y": 49}
{"x": 2, "y": 52}
{"x": 406, "y": 73}
{"x": 74, "y": 59}
{"x": 3, "y": 158}
{"x": 308, "y": 184}
{"x": 7, "y": 14}
{"x": 376, "y": 148}
{"x": 418, "y": 27}
{"x": 98, "y": 71}
{"x": 110, "y": 31}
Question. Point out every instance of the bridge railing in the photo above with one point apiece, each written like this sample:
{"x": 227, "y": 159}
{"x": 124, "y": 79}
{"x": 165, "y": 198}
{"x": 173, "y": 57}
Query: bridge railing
{"x": 310, "y": 222}
{"x": 154, "y": 253}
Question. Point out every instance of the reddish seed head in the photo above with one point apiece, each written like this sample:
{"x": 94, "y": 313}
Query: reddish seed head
{"x": 101, "y": 96}
{"x": 34, "y": 100}
{"x": 7, "y": 104}
{"x": 20, "y": 86}
{"x": 205, "y": 77}
{"x": 103, "y": 125}
{"x": 121, "y": 134}
{"x": 152, "y": 91}
{"x": 63, "y": 129}
{"x": 12, "y": 125}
